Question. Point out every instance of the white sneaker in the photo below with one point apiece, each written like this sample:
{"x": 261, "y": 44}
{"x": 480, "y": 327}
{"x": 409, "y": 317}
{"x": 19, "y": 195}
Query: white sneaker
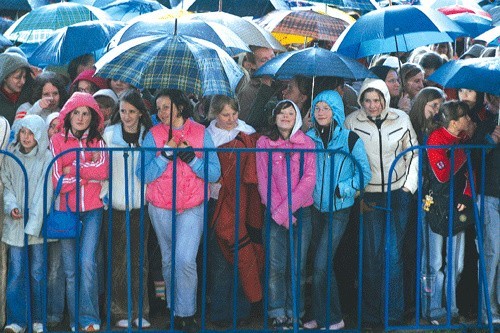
{"x": 122, "y": 323}
{"x": 310, "y": 325}
{"x": 145, "y": 323}
{"x": 338, "y": 326}
{"x": 37, "y": 328}
{"x": 14, "y": 328}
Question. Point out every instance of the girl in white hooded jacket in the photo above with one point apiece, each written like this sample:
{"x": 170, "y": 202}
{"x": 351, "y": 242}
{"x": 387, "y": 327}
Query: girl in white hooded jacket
{"x": 30, "y": 146}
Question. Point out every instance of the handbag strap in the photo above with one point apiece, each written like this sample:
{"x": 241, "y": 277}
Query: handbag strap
{"x": 56, "y": 194}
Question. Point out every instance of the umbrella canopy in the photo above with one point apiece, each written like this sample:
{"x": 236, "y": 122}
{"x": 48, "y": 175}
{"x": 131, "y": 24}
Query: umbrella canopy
{"x": 73, "y": 41}
{"x": 124, "y": 10}
{"x": 251, "y": 33}
{"x": 4, "y": 42}
{"x": 396, "y": 29}
{"x": 161, "y": 14}
{"x": 24, "y": 5}
{"x": 209, "y": 31}
{"x": 458, "y": 9}
{"x": 5, "y": 23}
{"x": 491, "y": 37}
{"x": 172, "y": 61}
{"x": 299, "y": 26}
{"x": 473, "y": 24}
{"x": 480, "y": 74}
{"x": 252, "y": 8}
{"x": 313, "y": 61}
{"x": 359, "y": 5}
{"x": 41, "y": 23}
{"x": 330, "y": 11}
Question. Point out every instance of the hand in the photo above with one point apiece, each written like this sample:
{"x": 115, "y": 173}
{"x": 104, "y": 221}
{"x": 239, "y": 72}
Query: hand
{"x": 46, "y": 102}
{"x": 66, "y": 170}
{"x": 16, "y": 214}
{"x": 461, "y": 207}
{"x": 496, "y": 134}
{"x": 405, "y": 189}
{"x": 187, "y": 155}
{"x": 404, "y": 103}
{"x": 171, "y": 144}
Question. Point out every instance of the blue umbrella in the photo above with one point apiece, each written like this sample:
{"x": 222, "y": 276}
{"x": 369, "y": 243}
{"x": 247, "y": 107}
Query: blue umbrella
{"x": 4, "y": 42}
{"x": 313, "y": 61}
{"x": 491, "y": 37}
{"x": 172, "y": 61}
{"x": 396, "y": 29}
{"x": 254, "y": 8}
{"x": 5, "y": 23}
{"x": 213, "y": 32}
{"x": 473, "y": 24}
{"x": 359, "y": 5}
{"x": 124, "y": 10}
{"x": 480, "y": 74}
{"x": 23, "y": 5}
{"x": 73, "y": 41}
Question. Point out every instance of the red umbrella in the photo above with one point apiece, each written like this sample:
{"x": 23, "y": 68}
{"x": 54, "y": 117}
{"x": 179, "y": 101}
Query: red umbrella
{"x": 459, "y": 9}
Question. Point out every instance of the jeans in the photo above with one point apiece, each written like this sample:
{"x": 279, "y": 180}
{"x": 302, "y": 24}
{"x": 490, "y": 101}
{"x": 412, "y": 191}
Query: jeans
{"x": 320, "y": 297}
{"x": 188, "y": 231}
{"x": 55, "y": 282}
{"x": 491, "y": 244}
{"x": 88, "y": 285}
{"x": 435, "y": 277}
{"x": 374, "y": 224}
{"x": 17, "y": 287}
{"x": 280, "y": 272}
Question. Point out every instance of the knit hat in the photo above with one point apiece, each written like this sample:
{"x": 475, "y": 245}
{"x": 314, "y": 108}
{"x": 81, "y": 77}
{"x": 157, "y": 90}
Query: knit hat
{"x": 77, "y": 100}
{"x": 381, "y": 71}
{"x": 16, "y": 50}
{"x": 108, "y": 93}
{"x": 10, "y": 62}
{"x": 51, "y": 117}
{"x": 88, "y": 75}
{"x": 474, "y": 51}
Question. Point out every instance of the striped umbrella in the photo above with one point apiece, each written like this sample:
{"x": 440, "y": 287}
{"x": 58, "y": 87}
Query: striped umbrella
{"x": 299, "y": 26}
{"x": 124, "y": 10}
{"x": 172, "y": 61}
{"x": 41, "y": 23}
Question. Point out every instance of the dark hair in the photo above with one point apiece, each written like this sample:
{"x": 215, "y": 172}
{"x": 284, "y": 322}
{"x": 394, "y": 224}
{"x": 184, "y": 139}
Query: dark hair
{"x": 272, "y": 132}
{"x": 218, "y": 103}
{"x": 179, "y": 99}
{"x": 452, "y": 110}
{"x": 478, "y": 106}
{"x": 322, "y": 83}
{"x": 74, "y": 63}
{"x": 304, "y": 84}
{"x": 94, "y": 133}
{"x": 133, "y": 97}
{"x": 422, "y": 126}
{"x": 52, "y": 78}
{"x": 431, "y": 60}
{"x": 74, "y": 87}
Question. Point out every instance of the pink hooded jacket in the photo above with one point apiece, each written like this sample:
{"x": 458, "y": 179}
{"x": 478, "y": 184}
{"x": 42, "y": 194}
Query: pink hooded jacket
{"x": 302, "y": 186}
{"x": 93, "y": 165}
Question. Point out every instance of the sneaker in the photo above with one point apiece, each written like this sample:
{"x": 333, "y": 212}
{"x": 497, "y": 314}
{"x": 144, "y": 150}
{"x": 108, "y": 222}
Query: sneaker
{"x": 186, "y": 324}
{"x": 289, "y": 324}
{"x": 279, "y": 323}
{"x": 37, "y": 328}
{"x": 145, "y": 323}
{"x": 122, "y": 323}
{"x": 334, "y": 327}
{"x": 91, "y": 328}
{"x": 14, "y": 328}
{"x": 311, "y": 325}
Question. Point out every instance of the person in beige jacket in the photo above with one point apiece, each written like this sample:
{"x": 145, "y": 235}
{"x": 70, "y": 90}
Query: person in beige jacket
{"x": 4, "y": 140}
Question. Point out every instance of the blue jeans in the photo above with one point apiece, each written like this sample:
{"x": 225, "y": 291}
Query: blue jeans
{"x": 280, "y": 281}
{"x": 491, "y": 243}
{"x": 188, "y": 231}
{"x": 374, "y": 257}
{"x": 55, "y": 282}
{"x": 320, "y": 297}
{"x": 88, "y": 292}
{"x": 17, "y": 298}
{"x": 434, "y": 279}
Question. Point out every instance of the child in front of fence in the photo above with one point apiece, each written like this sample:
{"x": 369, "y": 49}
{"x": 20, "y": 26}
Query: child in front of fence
{"x": 30, "y": 146}
{"x": 300, "y": 170}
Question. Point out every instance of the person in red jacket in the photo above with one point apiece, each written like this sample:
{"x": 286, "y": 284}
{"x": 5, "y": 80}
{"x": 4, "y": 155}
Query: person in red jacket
{"x": 80, "y": 124}
{"x": 455, "y": 120}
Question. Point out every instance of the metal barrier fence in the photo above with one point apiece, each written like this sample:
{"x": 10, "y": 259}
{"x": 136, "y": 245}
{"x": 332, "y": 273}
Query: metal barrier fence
{"x": 261, "y": 322}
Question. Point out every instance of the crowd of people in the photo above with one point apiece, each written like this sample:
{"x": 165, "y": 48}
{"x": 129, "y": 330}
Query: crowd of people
{"x": 278, "y": 213}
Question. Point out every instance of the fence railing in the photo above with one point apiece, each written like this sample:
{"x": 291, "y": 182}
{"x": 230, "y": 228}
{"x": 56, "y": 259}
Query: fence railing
{"x": 260, "y": 319}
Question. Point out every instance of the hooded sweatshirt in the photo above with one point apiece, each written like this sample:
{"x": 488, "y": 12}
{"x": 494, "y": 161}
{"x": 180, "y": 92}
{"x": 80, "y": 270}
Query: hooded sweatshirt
{"x": 341, "y": 186}
{"x": 385, "y": 138}
{"x": 302, "y": 185}
{"x": 36, "y": 163}
{"x": 93, "y": 167}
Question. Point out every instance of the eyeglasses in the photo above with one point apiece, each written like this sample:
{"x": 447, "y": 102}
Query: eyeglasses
{"x": 85, "y": 90}
{"x": 323, "y": 109}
